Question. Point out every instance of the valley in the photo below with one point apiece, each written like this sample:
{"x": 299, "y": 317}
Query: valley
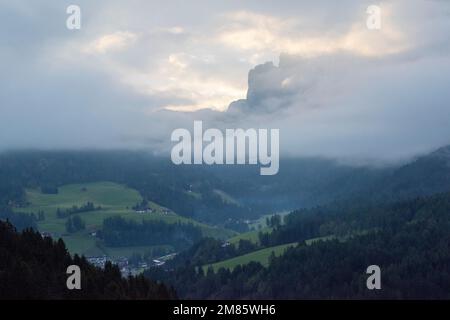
{"x": 176, "y": 225}
{"x": 114, "y": 200}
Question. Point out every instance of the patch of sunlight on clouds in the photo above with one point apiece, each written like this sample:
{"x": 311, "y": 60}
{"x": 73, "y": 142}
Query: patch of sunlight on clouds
{"x": 177, "y": 61}
{"x": 175, "y": 30}
{"x": 258, "y": 34}
{"x": 110, "y": 42}
{"x": 204, "y": 93}
{"x": 180, "y": 76}
{"x": 200, "y": 70}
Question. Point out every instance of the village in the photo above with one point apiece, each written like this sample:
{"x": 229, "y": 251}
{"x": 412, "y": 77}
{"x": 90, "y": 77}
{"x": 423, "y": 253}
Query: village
{"x": 126, "y": 267}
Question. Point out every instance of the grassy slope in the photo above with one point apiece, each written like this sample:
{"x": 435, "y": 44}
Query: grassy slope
{"x": 261, "y": 256}
{"x": 115, "y": 200}
{"x": 226, "y": 197}
{"x": 261, "y": 222}
{"x": 257, "y": 226}
{"x": 250, "y": 235}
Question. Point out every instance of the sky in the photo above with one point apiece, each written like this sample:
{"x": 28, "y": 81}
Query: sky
{"x": 136, "y": 70}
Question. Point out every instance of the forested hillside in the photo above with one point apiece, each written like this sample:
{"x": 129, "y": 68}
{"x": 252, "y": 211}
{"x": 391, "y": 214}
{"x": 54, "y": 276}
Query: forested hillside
{"x": 348, "y": 218}
{"x": 410, "y": 241}
{"x": 32, "y": 267}
{"x": 223, "y": 195}
{"x": 190, "y": 192}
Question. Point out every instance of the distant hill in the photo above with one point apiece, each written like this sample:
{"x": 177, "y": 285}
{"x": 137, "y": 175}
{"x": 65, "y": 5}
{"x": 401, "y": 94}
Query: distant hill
{"x": 408, "y": 240}
{"x": 308, "y": 182}
{"x": 426, "y": 175}
{"x": 223, "y": 195}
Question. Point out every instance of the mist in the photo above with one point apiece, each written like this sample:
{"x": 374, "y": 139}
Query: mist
{"x": 334, "y": 88}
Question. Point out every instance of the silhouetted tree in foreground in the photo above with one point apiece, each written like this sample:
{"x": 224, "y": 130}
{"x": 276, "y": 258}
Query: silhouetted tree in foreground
{"x": 33, "y": 267}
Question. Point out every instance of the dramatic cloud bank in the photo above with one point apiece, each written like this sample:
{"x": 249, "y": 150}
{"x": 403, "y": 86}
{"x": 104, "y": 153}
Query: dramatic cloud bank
{"x": 139, "y": 69}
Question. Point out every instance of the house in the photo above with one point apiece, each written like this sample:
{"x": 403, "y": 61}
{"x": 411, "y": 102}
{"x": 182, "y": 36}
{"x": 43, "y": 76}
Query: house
{"x": 158, "y": 263}
{"x": 225, "y": 244}
{"x": 148, "y": 210}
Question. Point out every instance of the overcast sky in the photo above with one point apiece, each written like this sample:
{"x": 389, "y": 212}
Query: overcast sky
{"x": 138, "y": 69}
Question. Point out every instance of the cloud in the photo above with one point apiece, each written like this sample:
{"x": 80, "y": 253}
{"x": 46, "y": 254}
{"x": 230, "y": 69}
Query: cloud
{"x": 174, "y": 30}
{"x": 110, "y": 42}
{"x": 248, "y": 31}
{"x": 136, "y": 71}
{"x": 386, "y": 113}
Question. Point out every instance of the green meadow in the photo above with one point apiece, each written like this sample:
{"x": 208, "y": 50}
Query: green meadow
{"x": 251, "y": 236}
{"x": 115, "y": 200}
{"x": 261, "y": 256}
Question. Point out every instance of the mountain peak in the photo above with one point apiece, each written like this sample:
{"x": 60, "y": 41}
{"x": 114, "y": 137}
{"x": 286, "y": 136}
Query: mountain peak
{"x": 442, "y": 153}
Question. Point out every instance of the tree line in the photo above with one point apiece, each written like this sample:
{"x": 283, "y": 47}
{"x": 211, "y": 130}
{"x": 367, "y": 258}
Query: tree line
{"x": 33, "y": 267}
{"x": 410, "y": 243}
{"x": 119, "y": 232}
{"x": 87, "y": 207}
